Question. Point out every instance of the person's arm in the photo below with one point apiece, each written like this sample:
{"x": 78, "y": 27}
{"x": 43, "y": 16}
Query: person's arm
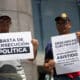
{"x": 49, "y": 62}
{"x": 35, "y": 47}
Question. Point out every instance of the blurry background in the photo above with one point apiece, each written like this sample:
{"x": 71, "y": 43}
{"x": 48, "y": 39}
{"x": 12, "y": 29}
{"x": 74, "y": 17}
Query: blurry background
{"x": 38, "y": 17}
{"x": 21, "y": 13}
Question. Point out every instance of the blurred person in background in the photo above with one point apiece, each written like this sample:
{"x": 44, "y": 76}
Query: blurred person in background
{"x": 63, "y": 25}
{"x": 13, "y": 70}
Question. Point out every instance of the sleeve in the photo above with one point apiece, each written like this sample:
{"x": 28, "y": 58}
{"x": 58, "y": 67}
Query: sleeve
{"x": 48, "y": 52}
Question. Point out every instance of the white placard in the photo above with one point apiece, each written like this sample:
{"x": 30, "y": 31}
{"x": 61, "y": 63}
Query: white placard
{"x": 66, "y": 53}
{"x": 16, "y": 45}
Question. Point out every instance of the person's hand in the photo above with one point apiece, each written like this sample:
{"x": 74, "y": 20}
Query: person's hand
{"x": 35, "y": 44}
{"x": 49, "y": 66}
{"x": 78, "y": 35}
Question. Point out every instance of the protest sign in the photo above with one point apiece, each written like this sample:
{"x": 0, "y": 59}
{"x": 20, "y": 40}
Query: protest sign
{"x": 66, "y": 53}
{"x": 16, "y": 45}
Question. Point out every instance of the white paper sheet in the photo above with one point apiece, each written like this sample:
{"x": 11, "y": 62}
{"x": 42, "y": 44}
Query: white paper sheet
{"x": 66, "y": 53}
{"x": 16, "y": 45}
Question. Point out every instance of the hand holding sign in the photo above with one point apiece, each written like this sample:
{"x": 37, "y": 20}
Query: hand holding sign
{"x": 49, "y": 66}
{"x": 78, "y": 35}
